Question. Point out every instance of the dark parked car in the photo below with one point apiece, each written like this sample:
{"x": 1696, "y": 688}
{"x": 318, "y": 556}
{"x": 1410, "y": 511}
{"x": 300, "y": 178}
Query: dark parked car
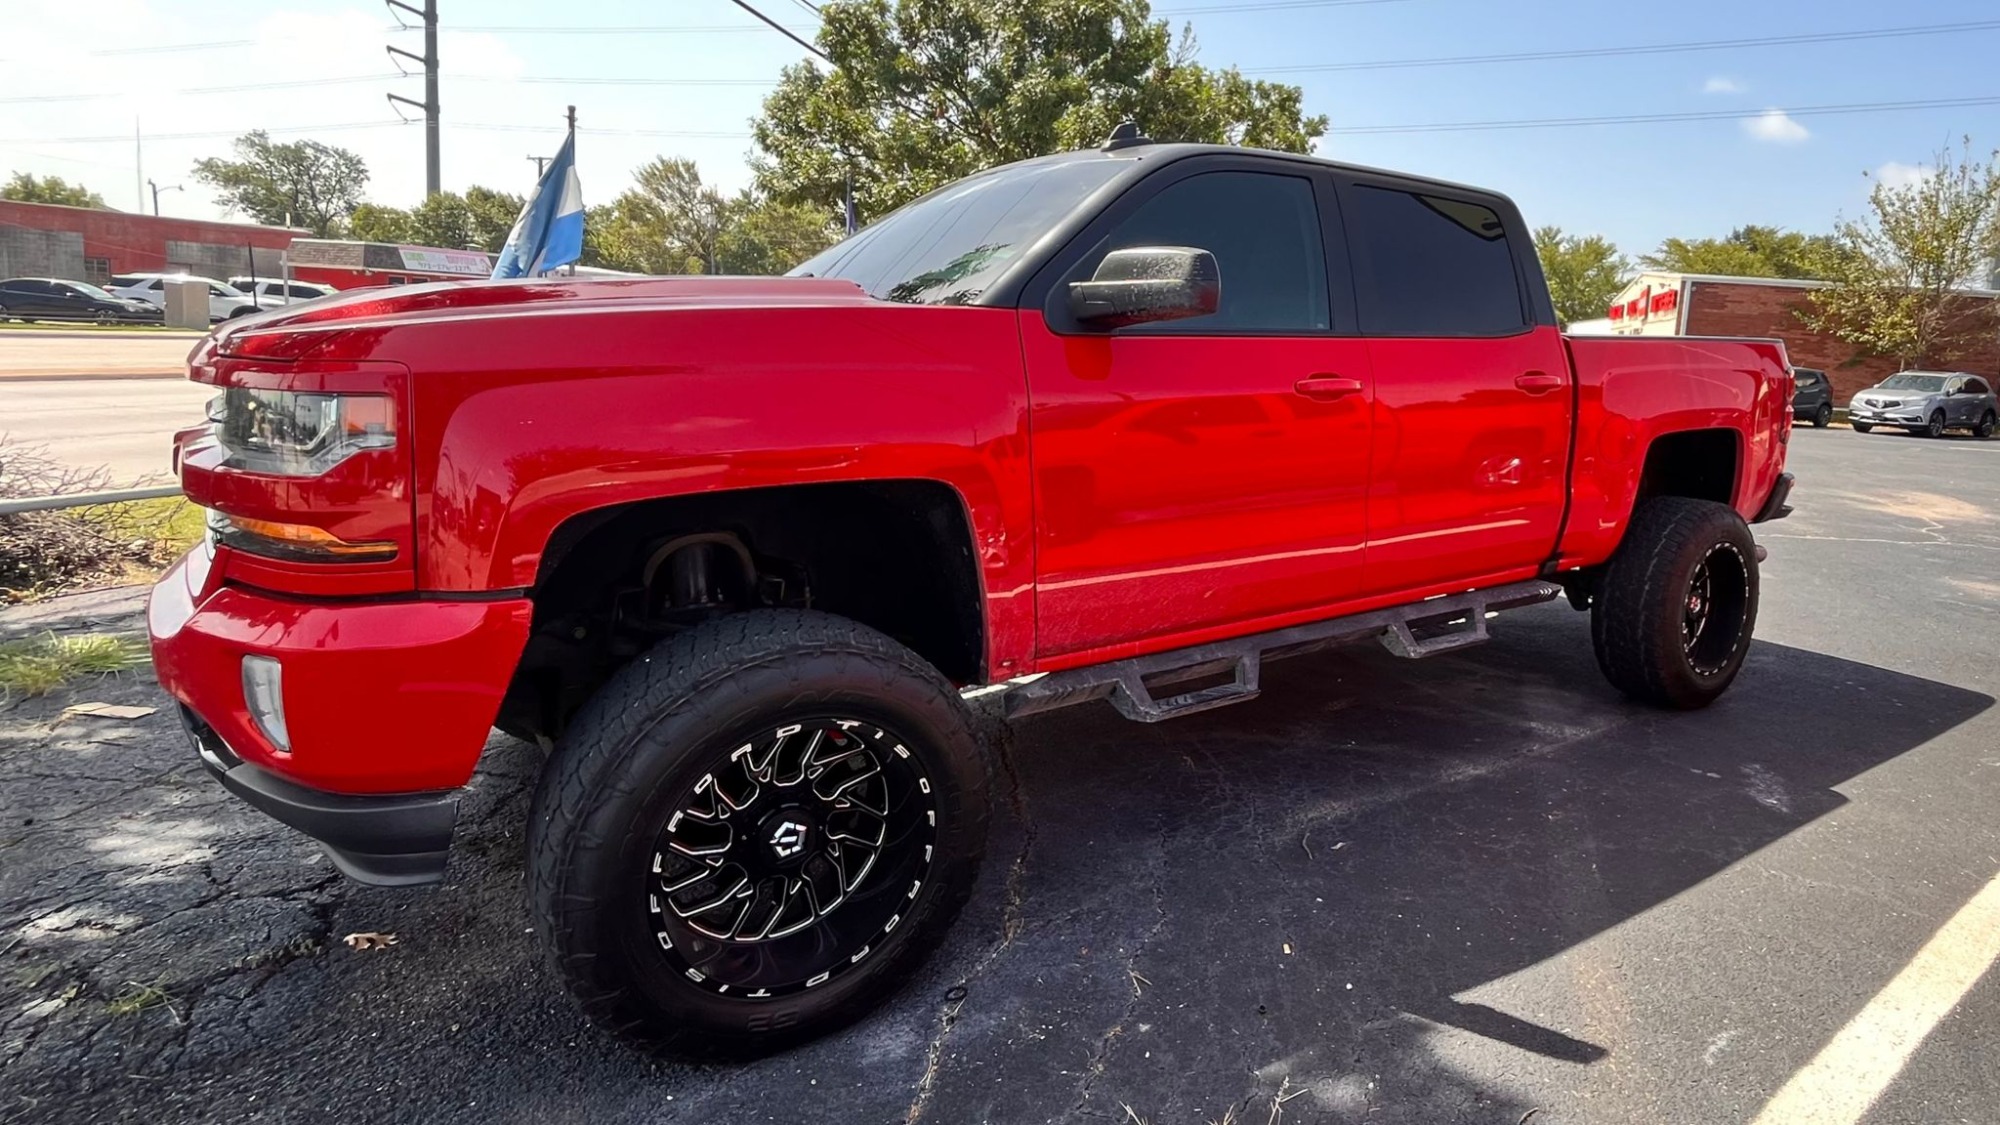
{"x": 1926, "y": 402}
{"x": 50, "y": 298}
{"x": 1812, "y": 398}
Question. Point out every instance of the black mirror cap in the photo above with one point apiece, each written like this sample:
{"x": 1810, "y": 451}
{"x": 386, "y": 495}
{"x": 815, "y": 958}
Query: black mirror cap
{"x": 1143, "y": 284}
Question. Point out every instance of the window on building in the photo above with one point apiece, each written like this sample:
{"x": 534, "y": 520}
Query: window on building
{"x": 97, "y": 271}
{"x": 1430, "y": 266}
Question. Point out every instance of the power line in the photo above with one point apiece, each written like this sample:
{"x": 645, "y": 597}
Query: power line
{"x": 1639, "y": 49}
{"x": 607, "y": 29}
{"x": 780, "y": 28}
{"x": 194, "y": 90}
{"x": 1665, "y": 118}
{"x": 1270, "y": 6}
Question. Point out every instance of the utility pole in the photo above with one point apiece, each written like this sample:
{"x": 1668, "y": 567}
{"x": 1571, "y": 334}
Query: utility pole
{"x": 157, "y": 189}
{"x": 429, "y": 14}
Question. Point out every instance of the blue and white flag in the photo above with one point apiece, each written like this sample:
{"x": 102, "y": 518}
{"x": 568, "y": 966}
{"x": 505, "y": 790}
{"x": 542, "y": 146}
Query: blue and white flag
{"x": 549, "y": 232}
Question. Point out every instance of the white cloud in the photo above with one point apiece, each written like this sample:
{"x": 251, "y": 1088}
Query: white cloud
{"x": 1896, "y": 174}
{"x": 1722, "y": 85}
{"x": 1775, "y": 126}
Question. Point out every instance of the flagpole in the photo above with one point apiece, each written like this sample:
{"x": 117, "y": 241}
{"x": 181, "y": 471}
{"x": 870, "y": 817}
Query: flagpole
{"x": 570, "y": 115}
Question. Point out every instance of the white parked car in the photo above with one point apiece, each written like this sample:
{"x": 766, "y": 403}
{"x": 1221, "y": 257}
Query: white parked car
{"x": 224, "y": 300}
{"x": 276, "y": 292}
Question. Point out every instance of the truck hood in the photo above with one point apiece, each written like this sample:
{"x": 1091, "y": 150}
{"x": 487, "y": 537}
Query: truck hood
{"x": 449, "y": 300}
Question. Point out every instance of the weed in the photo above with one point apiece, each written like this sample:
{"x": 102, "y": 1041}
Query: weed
{"x": 39, "y": 666}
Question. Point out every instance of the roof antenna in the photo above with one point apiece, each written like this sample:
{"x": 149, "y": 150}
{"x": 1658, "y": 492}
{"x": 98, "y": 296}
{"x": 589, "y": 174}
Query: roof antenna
{"x": 1126, "y": 135}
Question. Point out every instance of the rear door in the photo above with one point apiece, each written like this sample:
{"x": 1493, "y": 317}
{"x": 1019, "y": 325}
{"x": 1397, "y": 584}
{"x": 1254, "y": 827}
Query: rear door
{"x": 1473, "y": 395}
{"x": 1208, "y": 473}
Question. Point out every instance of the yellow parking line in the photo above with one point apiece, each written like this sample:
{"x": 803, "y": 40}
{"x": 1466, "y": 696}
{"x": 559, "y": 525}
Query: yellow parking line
{"x": 1841, "y": 1082}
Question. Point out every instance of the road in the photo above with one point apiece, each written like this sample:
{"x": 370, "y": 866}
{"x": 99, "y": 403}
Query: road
{"x": 124, "y": 425}
{"x": 1476, "y": 888}
{"x": 41, "y": 352}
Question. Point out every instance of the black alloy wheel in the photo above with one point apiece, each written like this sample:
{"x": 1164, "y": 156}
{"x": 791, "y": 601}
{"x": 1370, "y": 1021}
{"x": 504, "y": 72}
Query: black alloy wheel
{"x": 755, "y": 832}
{"x": 793, "y": 858}
{"x": 1823, "y": 417}
{"x": 1713, "y": 611}
{"x": 1935, "y": 427}
{"x": 1986, "y": 426}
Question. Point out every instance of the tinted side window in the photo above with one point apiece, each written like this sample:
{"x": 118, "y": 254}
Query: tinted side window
{"x": 1978, "y": 386}
{"x": 1430, "y": 266}
{"x": 1263, "y": 229}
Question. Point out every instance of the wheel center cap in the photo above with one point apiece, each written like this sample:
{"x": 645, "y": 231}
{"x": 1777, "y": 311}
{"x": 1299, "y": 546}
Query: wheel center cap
{"x": 787, "y": 833}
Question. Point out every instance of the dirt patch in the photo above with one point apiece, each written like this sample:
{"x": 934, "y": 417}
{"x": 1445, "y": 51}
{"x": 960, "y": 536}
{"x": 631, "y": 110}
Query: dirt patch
{"x": 1918, "y": 505}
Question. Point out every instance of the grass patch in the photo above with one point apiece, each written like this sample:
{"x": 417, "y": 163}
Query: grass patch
{"x": 40, "y": 666}
{"x": 170, "y": 523}
{"x": 137, "y": 998}
{"x": 85, "y": 326}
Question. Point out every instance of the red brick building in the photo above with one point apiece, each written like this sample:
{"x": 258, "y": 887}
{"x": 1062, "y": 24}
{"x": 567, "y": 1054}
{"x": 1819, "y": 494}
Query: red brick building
{"x": 91, "y": 244}
{"x": 1678, "y": 304}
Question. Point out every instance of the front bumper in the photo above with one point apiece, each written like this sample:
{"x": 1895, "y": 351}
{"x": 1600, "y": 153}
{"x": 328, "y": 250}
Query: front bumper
{"x": 390, "y": 841}
{"x": 1885, "y": 416}
{"x": 387, "y": 706}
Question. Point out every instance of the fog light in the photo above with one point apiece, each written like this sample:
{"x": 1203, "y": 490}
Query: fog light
{"x": 264, "y": 694}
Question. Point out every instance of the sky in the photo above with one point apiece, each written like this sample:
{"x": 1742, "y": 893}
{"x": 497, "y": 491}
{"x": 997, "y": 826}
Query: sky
{"x": 685, "y": 77}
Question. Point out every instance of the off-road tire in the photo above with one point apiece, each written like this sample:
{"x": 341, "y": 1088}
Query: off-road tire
{"x": 1862, "y": 427}
{"x": 1985, "y": 427}
{"x": 656, "y": 726}
{"x": 1823, "y": 417}
{"x": 1637, "y": 619}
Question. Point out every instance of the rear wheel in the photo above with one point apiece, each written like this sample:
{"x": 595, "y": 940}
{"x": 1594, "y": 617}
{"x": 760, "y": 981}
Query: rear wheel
{"x": 1823, "y": 417}
{"x": 1986, "y": 425}
{"x": 1673, "y": 618}
{"x": 755, "y": 832}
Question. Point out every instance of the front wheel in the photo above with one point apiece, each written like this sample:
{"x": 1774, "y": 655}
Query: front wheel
{"x": 1935, "y": 426}
{"x": 1985, "y": 427}
{"x": 1823, "y": 417}
{"x": 1862, "y": 427}
{"x": 1672, "y": 619}
{"x": 755, "y": 832}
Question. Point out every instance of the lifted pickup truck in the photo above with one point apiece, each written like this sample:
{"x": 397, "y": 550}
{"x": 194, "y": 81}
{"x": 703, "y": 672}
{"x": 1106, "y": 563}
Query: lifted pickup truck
{"x": 744, "y": 555}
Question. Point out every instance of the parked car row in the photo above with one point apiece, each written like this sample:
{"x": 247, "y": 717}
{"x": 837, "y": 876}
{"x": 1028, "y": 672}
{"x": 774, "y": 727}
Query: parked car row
{"x": 1927, "y": 403}
{"x": 53, "y": 298}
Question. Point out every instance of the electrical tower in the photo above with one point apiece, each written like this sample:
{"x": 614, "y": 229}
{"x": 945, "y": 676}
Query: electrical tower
{"x": 429, "y": 14}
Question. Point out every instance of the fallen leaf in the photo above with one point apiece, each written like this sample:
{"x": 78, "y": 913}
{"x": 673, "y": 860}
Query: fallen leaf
{"x": 109, "y": 710}
{"x": 369, "y": 940}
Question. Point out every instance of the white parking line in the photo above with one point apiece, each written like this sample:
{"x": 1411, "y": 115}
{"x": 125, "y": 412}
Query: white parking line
{"x": 1841, "y": 1082}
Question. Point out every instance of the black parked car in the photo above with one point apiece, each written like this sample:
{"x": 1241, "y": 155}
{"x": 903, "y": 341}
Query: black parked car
{"x": 1812, "y": 401}
{"x": 50, "y": 298}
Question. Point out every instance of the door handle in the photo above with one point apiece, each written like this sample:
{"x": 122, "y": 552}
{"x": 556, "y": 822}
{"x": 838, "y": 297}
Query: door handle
{"x": 1538, "y": 382}
{"x": 1327, "y": 386}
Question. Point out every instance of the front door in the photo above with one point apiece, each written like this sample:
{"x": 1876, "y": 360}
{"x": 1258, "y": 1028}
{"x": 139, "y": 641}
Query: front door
{"x": 1473, "y": 398}
{"x": 1193, "y": 477}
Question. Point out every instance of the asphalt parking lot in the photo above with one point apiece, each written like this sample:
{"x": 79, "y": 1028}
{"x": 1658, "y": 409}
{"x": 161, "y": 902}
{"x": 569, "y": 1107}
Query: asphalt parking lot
{"x": 1479, "y": 888}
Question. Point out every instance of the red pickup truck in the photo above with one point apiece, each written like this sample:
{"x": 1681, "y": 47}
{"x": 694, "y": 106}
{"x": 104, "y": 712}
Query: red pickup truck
{"x": 745, "y": 556}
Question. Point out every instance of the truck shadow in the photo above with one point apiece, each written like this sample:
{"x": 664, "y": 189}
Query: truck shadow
{"x": 1304, "y": 887}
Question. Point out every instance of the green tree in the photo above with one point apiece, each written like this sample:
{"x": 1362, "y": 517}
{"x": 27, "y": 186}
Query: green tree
{"x": 442, "y": 220}
{"x": 304, "y": 183}
{"x": 1750, "y": 251}
{"x": 492, "y": 215}
{"x": 372, "y": 222}
{"x": 921, "y": 92}
{"x": 24, "y": 187}
{"x": 1898, "y": 277}
{"x": 1584, "y": 272}
{"x": 767, "y": 237}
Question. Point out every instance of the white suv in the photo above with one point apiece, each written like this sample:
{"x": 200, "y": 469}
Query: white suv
{"x": 276, "y": 293}
{"x": 224, "y": 301}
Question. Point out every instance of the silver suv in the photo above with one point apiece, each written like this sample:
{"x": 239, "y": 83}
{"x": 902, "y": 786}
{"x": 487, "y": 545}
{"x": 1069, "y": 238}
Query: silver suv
{"x": 1926, "y": 402}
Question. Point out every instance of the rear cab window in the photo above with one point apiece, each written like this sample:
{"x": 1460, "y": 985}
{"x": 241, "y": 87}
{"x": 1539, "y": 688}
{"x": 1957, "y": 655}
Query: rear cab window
{"x": 1431, "y": 264}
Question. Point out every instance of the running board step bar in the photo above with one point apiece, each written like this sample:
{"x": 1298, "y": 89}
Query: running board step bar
{"x": 1414, "y": 631}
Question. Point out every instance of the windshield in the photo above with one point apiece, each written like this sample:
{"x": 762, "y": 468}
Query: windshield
{"x": 947, "y": 247}
{"x": 1909, "y": 381}
{"x": 90, "y": 290}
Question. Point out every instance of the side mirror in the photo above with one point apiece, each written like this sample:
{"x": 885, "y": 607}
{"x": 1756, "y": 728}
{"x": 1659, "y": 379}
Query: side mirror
{"x": 1142, "y": 284}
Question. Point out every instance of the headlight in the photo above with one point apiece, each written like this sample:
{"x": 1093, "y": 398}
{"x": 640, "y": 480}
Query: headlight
{"x": 299, "y": 433}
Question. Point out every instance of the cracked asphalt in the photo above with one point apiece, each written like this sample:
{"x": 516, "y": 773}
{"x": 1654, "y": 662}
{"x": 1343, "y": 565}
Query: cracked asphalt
{"x": 1477, "y": 888}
